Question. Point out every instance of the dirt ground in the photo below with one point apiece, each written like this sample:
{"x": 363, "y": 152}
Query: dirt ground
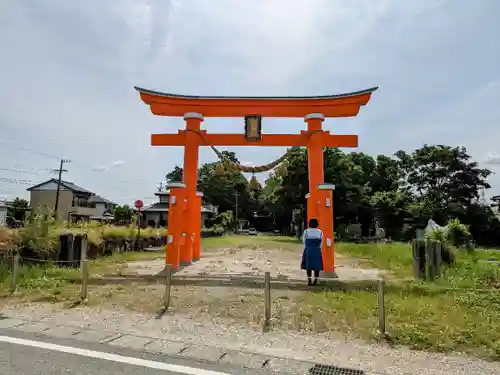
{"x": 231, "y": 256}
{"x": 242, "y": 257}
{"x": 282, "y": 261}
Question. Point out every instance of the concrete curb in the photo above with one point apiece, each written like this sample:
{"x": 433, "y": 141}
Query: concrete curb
{"x": 157, "y": 345}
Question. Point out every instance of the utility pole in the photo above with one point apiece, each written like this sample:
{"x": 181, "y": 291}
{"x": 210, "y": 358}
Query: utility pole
{"x": 236, "y": 195}
{"x": 60, "y": 171}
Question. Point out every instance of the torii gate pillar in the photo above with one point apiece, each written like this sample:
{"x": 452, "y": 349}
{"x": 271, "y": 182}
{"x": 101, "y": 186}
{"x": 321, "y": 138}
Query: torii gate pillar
{"x": 191, "y": 225}
{"x": 314, "y": 161}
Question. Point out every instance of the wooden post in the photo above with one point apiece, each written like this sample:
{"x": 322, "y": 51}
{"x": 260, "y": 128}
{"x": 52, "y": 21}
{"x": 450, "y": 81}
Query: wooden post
{"x": 381, "y": 309}
{"x": 15, "y": 272}
{"x": 419, "y": 258}
{"x": 438, "y": 247}
{"x": 85, "y": 281}
{"x": 71, "y": 248}
{"x": 83, "y": 253}
{"x": 267, "y": 300}
{"x": 168, "y": 286}
{"x": 430, "y": 257}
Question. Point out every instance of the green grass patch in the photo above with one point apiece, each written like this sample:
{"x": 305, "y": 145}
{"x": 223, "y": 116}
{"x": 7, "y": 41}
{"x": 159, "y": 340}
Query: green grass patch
{"x": 420, "y": 315}
{"x": 395, "y": 257}
{"x": 251, "y": 242}
{"x": 444, "y": 322}
{"x": 44, "y": 282}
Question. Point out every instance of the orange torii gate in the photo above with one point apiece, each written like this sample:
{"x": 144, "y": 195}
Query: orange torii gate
{"x": 183, "y": 242}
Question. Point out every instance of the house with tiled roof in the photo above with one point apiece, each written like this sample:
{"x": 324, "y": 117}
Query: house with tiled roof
{"x": 74, "y": 202}
{"x": 156, "y": 215}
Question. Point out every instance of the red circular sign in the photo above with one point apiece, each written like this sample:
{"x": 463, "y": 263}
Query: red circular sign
{"x": 138, "y": 204}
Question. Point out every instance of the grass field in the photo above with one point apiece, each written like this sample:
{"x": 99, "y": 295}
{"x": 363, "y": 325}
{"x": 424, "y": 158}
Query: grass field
{"x": 460, "y": 312}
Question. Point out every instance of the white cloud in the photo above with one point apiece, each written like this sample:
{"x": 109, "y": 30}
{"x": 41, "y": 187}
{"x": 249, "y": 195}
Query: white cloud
{"x": 117, "y": 164}
{"x": 102, "y": 168}
{"x": 493, "y": 158}
{"x": 72, "y": 67}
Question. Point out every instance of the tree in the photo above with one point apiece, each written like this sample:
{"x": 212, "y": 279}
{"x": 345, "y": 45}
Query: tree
{"x": 399, "y": 191}
{"x": 124, "y": 213}
{"x": 18, "y": 208}
{"x": 175, "y": 175}
{"x": 442, "y": 178}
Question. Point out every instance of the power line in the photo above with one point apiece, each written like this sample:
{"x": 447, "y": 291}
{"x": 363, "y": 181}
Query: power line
{"x": 17, "y": 170}
{"x": 35, "y": 152}
{"x": 30, "y": 151}
{"x": 15, "y": 181}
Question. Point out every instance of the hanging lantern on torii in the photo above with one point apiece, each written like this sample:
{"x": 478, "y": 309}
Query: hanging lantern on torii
{"x": 253, "y": 133}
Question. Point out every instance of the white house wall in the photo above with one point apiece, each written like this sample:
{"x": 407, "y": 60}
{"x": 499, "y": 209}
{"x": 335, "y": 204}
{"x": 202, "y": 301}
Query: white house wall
{"x": 3, "y": 215}
{"x": 155, "y": 216}
{"x": 100, "y": 208}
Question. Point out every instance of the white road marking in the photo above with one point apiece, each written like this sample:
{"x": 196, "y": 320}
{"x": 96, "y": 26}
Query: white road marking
{"x": 111, "y": 357}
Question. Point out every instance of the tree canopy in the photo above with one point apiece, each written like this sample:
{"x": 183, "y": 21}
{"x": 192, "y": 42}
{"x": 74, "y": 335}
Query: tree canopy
{"x": 398, "y": 191}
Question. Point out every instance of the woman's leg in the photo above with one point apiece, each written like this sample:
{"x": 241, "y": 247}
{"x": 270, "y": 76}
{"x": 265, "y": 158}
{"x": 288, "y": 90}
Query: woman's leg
{"x": 309, "y": 274}
{"x": 316, "y": 276}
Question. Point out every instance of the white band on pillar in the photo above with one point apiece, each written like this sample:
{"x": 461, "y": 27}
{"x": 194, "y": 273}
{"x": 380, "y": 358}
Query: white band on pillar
{"x": 174, "y": 185}
{"x": 325, "y": 187}
{"x": 193, "y": 115}
{"x": 311, "y": 116}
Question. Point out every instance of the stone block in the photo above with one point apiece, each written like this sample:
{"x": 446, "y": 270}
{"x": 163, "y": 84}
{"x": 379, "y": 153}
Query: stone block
{"x": 166, "y": 347}
{"x": 61, "y": 331}
{"x": 204, "y": 353}
{"x": 276, "y": 364}
{"x": 130, "y": 341}
{"x": 11, "y": 322}
{"x": 94, "y": 336}
{"x": 248, "y": 360}
{"x": 35, "y": 327}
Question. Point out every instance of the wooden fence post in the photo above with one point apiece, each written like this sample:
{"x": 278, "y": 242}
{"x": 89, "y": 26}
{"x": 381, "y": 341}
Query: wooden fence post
{"x": 85, "y": 281}
{"x": 381, "y": 308}
{"x": 15, "y": 272}
{"x": 168, "y": 287}
{"x": 267, "y": 300}
{"x": 84, "y": 268}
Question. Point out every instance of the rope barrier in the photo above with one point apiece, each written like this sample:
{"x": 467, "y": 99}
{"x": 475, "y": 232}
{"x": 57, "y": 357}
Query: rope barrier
{"x": 243, "y": 168}
{"x": 39, "y": 260}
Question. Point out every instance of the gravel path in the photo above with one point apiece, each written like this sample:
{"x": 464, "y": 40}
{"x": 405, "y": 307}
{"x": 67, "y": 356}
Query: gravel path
{"x": 281, "y": 263}
{"x": 322, "y": 348}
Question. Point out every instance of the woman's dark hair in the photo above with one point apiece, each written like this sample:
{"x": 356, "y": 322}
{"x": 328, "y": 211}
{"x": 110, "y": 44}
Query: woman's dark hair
{"x": 313, "y": 223}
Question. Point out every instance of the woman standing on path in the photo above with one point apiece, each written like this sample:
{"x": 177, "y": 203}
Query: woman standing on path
{"x": 312, "y": 259}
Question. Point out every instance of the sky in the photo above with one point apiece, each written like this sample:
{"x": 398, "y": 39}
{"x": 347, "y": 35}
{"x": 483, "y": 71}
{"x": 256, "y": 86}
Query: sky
{"x": 67, "y": 71}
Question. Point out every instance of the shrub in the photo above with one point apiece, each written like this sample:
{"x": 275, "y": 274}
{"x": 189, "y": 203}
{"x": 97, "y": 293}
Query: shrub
{"x": 458, "y": 233}
{"x": 40, "y": 233}
{"x": 9, "y": 240}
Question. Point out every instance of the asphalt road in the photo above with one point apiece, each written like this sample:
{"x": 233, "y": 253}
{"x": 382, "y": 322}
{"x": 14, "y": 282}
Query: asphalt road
{"x": 27, "y": 354}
